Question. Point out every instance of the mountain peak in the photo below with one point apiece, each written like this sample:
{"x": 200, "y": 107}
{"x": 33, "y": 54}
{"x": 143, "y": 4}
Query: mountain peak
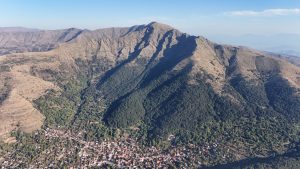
{"x": 174, "y": 87}
{"x": 157, "y": 25}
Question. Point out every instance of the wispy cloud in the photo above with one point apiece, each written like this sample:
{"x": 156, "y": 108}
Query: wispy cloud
{"x": 267, "y": 12}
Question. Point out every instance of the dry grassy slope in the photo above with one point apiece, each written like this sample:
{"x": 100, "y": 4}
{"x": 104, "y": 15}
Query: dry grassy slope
{"x": 224, "y": 62}
{"x": 114, "y": 46}
{"x": 292, "y": 59}
{"x": 34, "y": 40}
{"x": 21, "y": 88}
{"x": 252, "y": 64}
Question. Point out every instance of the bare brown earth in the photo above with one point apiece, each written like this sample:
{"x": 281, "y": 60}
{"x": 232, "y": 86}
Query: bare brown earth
{"x": 21, "y": 89}
{"x": 19, "y": 86}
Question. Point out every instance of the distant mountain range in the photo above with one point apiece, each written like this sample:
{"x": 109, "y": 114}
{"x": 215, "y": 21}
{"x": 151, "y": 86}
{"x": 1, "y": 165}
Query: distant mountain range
{"x": 153, "y": 77}
{"x": 17, "y": 40}
{"x": 17, "y": 29}
{"x": 287, "y": 44}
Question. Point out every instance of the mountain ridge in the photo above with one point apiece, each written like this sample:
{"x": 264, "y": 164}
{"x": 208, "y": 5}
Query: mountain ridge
{"x": 207, "y": 57}
{"x": 155, "y": 78}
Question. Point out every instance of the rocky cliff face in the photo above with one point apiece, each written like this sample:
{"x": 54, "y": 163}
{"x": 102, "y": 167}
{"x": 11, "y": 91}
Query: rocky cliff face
{"x": 152, "y": 74}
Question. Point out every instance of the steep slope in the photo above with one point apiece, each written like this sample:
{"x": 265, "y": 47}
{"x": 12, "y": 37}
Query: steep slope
{"x": 19, "y": 88}
{"x": 27, "y": 76}
{"x": 204, "y": 82}
{"x": 156, "y": 77}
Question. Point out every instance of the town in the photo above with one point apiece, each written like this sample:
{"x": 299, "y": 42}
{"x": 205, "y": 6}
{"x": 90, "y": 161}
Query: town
{"x": 71, "y": 150}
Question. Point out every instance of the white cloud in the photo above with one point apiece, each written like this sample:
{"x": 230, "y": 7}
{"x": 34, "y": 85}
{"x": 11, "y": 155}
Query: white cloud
{"x": 267, "y": 12}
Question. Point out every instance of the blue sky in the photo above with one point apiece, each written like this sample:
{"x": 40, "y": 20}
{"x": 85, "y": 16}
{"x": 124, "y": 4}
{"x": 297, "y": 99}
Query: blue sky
{"x": 212, "y": 18}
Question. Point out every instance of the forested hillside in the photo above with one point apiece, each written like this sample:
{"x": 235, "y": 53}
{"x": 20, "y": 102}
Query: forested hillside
{"x": 154, "y": 83}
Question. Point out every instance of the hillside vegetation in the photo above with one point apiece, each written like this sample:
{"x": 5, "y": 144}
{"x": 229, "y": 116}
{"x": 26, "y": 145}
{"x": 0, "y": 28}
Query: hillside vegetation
{"x": 157, "y": 80}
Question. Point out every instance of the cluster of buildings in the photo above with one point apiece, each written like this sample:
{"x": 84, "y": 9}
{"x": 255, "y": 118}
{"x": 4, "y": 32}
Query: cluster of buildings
{"x": 7, "y": 162}
{"x": 128, "y": 153}
{"x": 125, "y": 152}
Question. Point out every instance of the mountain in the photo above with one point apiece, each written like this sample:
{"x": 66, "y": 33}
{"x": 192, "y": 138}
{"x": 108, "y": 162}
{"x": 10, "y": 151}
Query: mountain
{"x": 286, "y": 44}
{"x": 17, "y": 29}
{"x": 290, "y": 58}
{"x": 16, "y": 40}
{"x": 153, "y": 78}
{"x": 289, "y": 52}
